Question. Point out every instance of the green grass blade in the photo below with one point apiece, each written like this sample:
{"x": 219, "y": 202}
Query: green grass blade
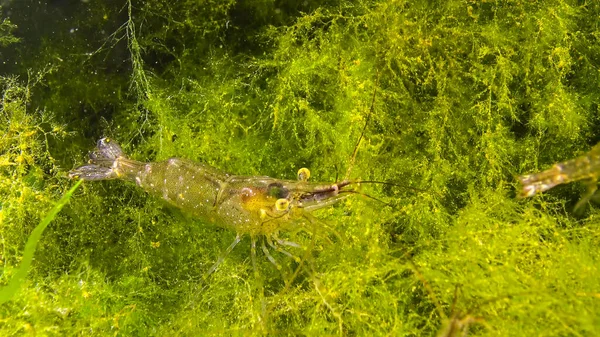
{"x": 8, "y": 291}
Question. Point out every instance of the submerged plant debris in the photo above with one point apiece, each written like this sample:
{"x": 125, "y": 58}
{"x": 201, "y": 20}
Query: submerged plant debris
{"x": 468, "y": 95}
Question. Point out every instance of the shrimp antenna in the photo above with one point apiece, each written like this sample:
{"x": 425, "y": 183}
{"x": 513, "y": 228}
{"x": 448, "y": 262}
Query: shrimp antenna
{"x": 377, "y": 182}
{"x": 374, "y": 182}
{"x": 362, "y": 133}
{"x": 367, "y": 196}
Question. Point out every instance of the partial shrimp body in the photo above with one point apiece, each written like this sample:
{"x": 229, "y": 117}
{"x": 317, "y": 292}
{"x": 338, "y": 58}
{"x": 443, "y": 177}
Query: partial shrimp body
{"x": 253, "y": 205}
{"x": 586, "y": 168}
{"x": 256, "y": 205}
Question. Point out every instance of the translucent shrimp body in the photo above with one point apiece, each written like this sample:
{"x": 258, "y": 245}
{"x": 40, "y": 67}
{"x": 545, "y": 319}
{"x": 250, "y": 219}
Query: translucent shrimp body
{"x": 585, "y": 168}
{"x": 253, "y": 205}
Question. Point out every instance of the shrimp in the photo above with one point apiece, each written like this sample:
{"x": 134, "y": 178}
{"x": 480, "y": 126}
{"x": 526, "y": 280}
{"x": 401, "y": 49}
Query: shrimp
{"x": 586, "y": 168}
{"x": 258, "y": 206}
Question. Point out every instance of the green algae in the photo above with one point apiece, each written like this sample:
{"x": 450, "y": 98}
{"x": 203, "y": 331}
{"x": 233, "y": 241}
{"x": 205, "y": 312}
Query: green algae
{"x": 467, "y": 95}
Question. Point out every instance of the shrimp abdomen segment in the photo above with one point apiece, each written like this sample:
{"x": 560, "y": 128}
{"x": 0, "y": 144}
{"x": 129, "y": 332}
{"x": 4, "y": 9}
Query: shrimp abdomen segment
{"x": 190, "y": 186}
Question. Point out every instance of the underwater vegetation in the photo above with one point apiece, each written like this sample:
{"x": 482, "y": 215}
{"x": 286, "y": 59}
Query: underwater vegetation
{"x": 458, "y": 98}
{"x": 7, "y": 292}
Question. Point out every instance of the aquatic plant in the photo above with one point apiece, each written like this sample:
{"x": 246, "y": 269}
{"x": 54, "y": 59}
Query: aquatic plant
{"x": 7, "y": 292}
{"x": 467, "y": 95}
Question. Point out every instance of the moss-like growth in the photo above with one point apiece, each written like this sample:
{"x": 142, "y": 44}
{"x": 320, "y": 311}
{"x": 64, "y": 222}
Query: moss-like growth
{"x": 462, "y": 96}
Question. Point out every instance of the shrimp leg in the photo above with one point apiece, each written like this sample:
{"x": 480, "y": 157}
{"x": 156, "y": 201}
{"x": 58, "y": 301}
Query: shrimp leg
{"x": 237, "y": 240}
{"x": 253, "y": 255}
{"x": 281, "y": 250}
{"x": 269, "y": 256}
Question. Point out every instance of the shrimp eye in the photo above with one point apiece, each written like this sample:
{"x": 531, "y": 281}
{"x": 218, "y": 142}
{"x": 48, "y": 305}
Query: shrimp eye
{"x": 303, "y": 174}
{"x": 276, "y": 190}
{"x": 282, "y": 204}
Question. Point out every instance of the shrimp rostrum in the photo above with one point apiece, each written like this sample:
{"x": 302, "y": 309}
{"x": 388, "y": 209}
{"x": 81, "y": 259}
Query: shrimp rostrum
{"x": 258, "y": 206}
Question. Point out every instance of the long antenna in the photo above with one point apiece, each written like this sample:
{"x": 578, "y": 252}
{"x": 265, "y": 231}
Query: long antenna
{"x": 353, "y": 158}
